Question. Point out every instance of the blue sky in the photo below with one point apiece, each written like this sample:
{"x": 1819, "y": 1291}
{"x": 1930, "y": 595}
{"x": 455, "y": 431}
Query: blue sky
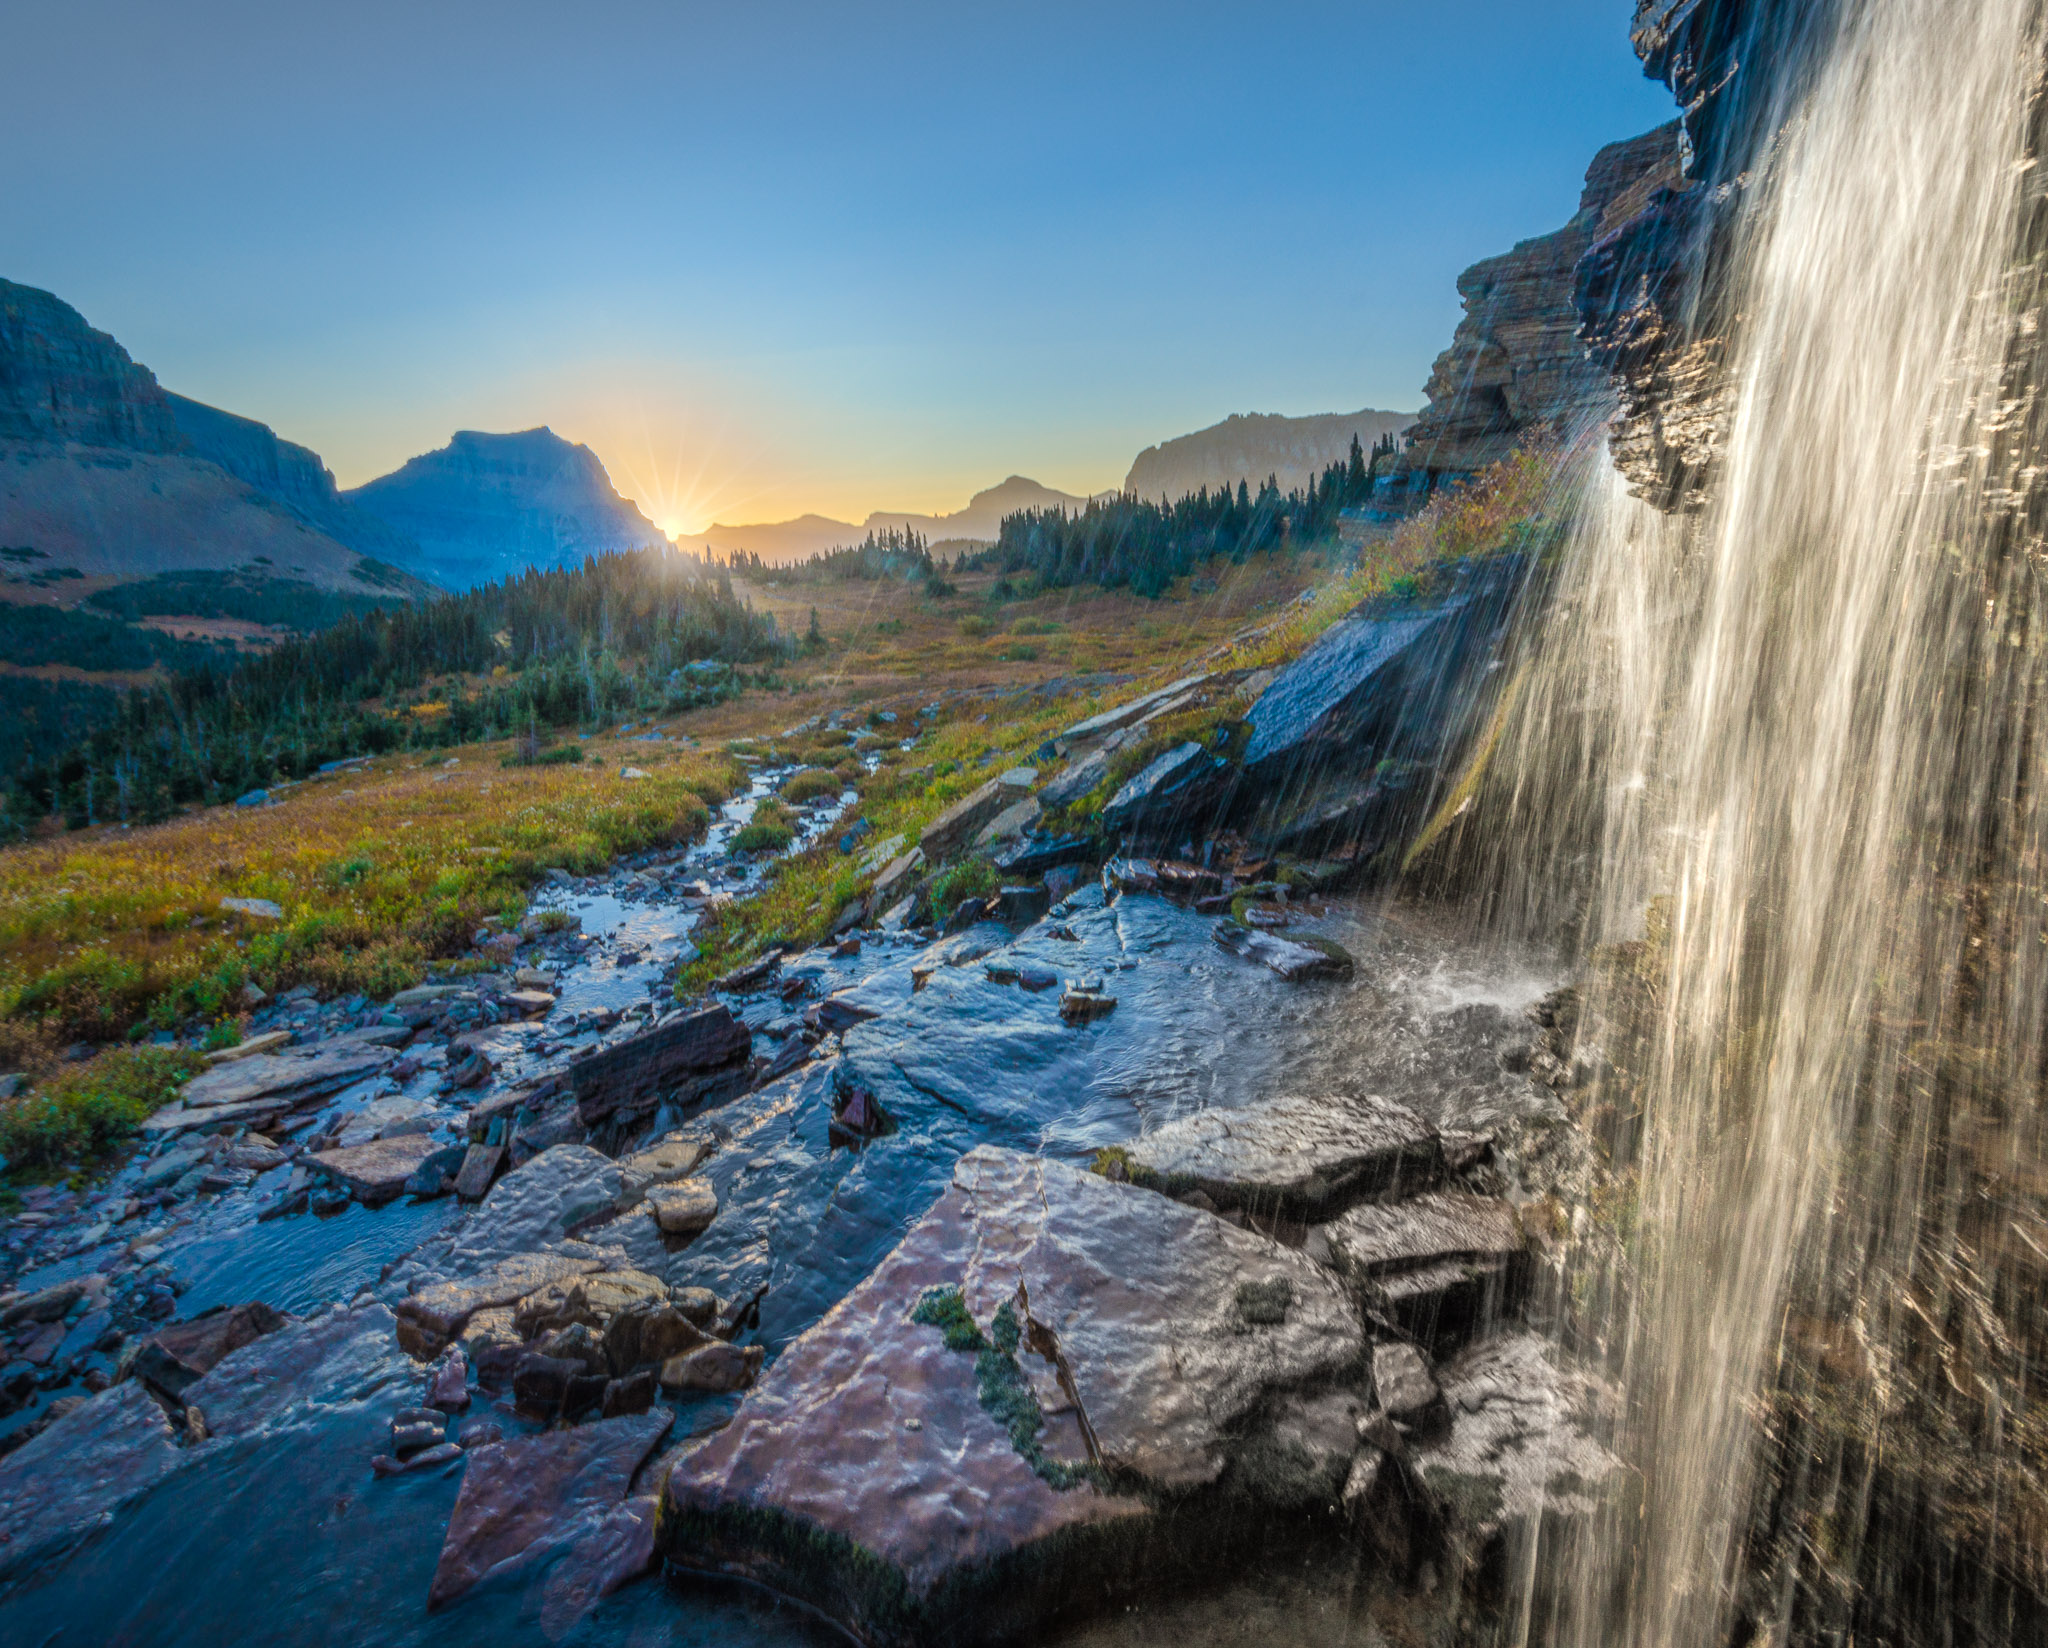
{"x": 771, "y": 257}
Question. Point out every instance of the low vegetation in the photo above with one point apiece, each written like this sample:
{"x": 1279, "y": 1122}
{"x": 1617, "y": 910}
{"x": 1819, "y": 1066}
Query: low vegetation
{"x": 376, "y": 873}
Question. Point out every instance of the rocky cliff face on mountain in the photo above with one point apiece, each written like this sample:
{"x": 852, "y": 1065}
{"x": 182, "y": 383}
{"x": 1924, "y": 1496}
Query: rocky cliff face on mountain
{"x": 107, "y": 478}
{"x": 490, "y": 506}
{"x": 1516, "y": 362}
{"x": 1249, "y": 446}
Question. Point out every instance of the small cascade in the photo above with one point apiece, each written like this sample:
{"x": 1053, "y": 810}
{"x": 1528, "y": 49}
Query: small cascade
{"x": 1796, "y": 740}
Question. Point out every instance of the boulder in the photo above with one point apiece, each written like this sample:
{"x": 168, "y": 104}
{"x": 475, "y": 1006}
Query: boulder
{"x": 699, "y": 1057}
{"x": 376, "y": 1171}
{"x": 1293, "y": 961}
{"x": 967, "y": 817}
{"x": 587, "y": 1301}
{"x": 533, "y": 1496}
{"x": 1519, "y": 1456}
{"x": 674, "y": 1156}
{"x": 713, "y": 1367}
{"x": 1306, "y": 1157}
{"x": 437, "y": 1313}
{"x": 1036, "y": 854}
{"x": 933, "y": 1460}
{"x": 173, "y": 1359}
{"x": 895, "y": 880}
{"x": 1392, "y": 678}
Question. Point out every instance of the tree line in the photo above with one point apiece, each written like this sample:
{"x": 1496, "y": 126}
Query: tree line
{"x": 644, "y": 631}
{"x": 1126, "y": 541}
{"x": 894, "y": 552}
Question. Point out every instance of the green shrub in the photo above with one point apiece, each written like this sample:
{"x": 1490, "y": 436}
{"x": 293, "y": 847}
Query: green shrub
{"x": 82, "y": 1112}
{"x": 562, "y": 755}
{"x": 974, "y": 626}
{"x": 225, "y": 1033}
{"x": 809, "y": 784}
{"x": 970, "y": 878}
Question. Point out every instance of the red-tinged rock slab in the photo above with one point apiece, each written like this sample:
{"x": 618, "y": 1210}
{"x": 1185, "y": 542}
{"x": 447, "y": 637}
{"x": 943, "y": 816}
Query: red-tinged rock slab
{"x": 1301, "y": 1154}
{"x": 376, "y": 1171}
{"x": 174, "y": 1358}
{"x": 619, "y": 1550}
{"x": 324, "y": 1362}
{"x": 58, "y": 1487}
{"x": 527, "y": 1498}
{"x": 1172, "y": 1324}
{"x": 866, "y": 1476}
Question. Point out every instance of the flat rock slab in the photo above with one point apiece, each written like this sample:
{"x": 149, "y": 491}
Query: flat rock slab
{"x": 866, "y": 1475}
{"x": 685, "y": 1060}
{"x": 297, "y": 1073}
{"x": 1298, "y": 1155}
{"x": 1425, "y": 1230}
{"x": 376, "y": 1171}
{"x": 58, "y": 1487}
{"x": 1294, "y": 962}
{"x": 531, "y": 1496}
{"x": 675, "y": 1156}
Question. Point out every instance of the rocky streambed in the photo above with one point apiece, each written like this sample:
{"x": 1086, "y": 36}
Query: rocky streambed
{"x": 1159, "y": 1230}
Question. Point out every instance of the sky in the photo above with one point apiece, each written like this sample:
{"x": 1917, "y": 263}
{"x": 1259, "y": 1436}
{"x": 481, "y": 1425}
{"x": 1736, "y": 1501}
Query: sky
{"x": 773, "y": 257}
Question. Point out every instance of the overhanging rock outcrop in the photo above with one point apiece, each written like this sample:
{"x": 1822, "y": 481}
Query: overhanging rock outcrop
{"x": 1037, "y": 1397}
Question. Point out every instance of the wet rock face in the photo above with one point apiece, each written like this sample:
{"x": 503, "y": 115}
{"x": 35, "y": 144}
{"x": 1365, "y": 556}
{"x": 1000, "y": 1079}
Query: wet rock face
{"x": 528, "y": 1498}
{"x": 1344, "y": 738}
{"x": 1298, "y": 1156}
{"x": 1515, "y": 362}
{"x": 1651, "y": 294}
{"x": 976, "y": 1415}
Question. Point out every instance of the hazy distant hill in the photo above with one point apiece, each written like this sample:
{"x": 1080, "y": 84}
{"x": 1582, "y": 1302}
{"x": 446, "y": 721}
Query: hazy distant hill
{"x": 808, "y": 534}
{"x": 485, "y": 506}
{"x": 1249, "y": 446}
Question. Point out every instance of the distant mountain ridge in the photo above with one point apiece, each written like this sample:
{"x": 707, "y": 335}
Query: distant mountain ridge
{"x": 490, "y": 506}
{"x": 1249, "y": 446}
{"x": 979, "y": 522}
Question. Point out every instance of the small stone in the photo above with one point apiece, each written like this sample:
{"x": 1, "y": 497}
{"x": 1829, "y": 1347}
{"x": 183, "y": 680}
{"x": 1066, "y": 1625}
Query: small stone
{"x": 261, "y": 907}
{"x": 540, "y": 1382}
{"x": 407, "y": 1439}
{"x": 683, "y": 1208}
{"x": 448, "y": 1384}
{"x": 479, "y": 1168}
{"x": 439, "y": 1454}
{"x": 1082, "y": 1006}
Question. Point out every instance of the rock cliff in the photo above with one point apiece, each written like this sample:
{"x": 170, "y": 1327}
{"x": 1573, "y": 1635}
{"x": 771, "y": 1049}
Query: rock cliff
{"x": 1652, "y": 290}
{"x": 1516, "y": 362}
{"x": 488, "y": 506}
{"x": 60, "y": 380}
{"x": 108, "y": 478}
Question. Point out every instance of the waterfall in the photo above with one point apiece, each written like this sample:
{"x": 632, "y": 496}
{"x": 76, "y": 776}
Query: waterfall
{"x": 1801, "y": 729}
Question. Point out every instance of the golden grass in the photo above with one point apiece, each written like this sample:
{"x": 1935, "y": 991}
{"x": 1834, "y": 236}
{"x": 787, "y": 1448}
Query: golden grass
{"x": 376, "y": 872}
